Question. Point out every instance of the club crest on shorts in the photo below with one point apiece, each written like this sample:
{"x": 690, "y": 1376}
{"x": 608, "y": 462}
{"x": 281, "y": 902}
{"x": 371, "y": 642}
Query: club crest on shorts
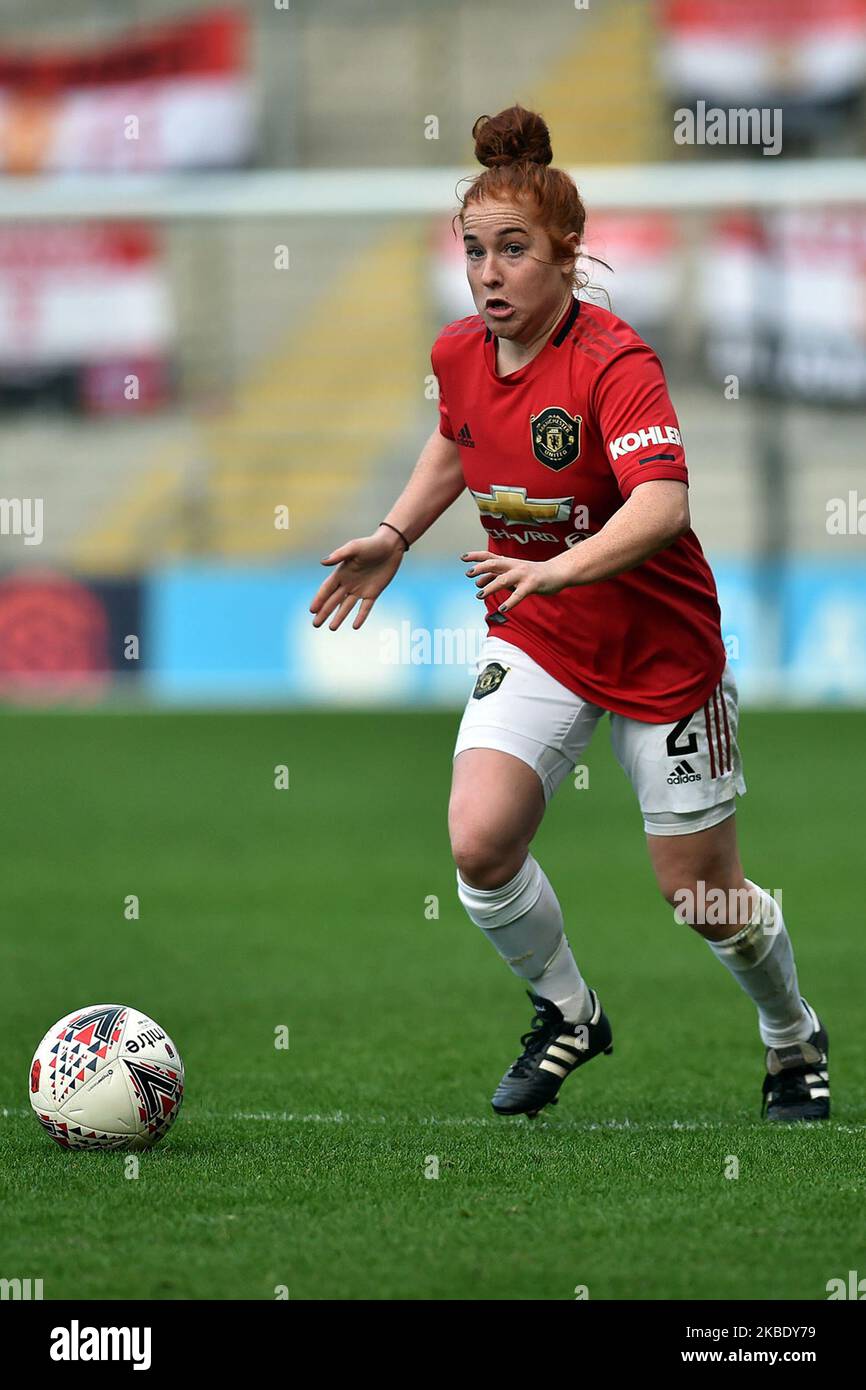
{"x": 490, "y": 679}
{"x": 555, "y": 437}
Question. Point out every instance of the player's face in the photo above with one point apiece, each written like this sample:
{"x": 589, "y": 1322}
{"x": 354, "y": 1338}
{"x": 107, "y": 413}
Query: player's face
{"x": 508, "y": 263}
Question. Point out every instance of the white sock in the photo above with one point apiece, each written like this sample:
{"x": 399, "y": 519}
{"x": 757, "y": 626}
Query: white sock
{"x": 523, "y": 920}
{"x": 761, "y": 959}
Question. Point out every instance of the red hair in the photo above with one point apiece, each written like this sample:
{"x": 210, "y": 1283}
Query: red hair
{"x": 515, "y": 148}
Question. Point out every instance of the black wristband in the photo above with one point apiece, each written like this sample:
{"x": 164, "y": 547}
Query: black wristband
{"x": 399, "y": 532}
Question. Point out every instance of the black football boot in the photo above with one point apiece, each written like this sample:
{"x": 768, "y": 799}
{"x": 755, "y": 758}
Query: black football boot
{"x": 552, "y": 1050}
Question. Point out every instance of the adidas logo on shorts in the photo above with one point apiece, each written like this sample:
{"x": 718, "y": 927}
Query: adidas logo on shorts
{"x": 683, "y": 772}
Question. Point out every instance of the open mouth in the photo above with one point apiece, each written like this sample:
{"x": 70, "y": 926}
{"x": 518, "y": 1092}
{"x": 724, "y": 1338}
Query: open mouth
{"x": 500, "y": 308}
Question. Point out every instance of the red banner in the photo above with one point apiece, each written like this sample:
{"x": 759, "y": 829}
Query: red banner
{"x": 171, "y": 96}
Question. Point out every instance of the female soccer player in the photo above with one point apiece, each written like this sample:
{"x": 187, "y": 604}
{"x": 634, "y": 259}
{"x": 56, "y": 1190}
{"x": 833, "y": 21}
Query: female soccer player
{"x": 556, "y": 415}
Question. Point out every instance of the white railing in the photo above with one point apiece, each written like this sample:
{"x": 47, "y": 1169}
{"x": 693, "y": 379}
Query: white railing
{"x": 759, "y": 182}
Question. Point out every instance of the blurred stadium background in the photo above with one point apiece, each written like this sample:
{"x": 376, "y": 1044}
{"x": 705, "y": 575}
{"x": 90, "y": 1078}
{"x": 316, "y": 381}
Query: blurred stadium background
{"x": 225, "y": 251}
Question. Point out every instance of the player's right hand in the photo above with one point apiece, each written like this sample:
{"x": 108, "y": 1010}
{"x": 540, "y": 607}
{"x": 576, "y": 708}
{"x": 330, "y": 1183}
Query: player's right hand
{"x": 364, "y": 568}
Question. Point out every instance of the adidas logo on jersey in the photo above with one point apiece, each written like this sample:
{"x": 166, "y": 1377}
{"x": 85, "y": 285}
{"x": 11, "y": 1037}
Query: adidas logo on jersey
{"x": 683, "y": 772}
{"x": 639, "y": 439}
{"x": 464, "y": 437}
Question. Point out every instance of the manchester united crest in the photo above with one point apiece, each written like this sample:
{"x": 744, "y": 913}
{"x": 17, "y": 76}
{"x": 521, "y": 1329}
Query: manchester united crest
{"x": 490, "y": 679}
{"x": 555, "y": 437}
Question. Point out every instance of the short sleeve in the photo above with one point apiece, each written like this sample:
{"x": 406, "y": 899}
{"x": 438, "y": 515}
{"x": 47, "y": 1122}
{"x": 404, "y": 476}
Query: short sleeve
{"x": 445, "y": 427}
{"x": 636, "y": 420}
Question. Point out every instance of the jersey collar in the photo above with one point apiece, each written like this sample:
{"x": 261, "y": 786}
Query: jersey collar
{"x": 556, "y": 339}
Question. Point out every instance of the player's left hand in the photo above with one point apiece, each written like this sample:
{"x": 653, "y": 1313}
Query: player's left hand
{"x": 493, "y": 572}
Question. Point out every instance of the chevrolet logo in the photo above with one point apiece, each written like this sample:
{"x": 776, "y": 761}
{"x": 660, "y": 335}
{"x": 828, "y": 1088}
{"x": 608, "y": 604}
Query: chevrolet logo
{"x": 511, "y": 504}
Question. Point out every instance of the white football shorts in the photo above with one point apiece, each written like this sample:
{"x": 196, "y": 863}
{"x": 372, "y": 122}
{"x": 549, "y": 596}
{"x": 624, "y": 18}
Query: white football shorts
{"x": 686, "y": 774}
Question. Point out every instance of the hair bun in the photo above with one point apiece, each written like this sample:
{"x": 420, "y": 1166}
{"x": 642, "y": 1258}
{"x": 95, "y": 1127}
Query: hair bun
{"x": 515, "y": 135}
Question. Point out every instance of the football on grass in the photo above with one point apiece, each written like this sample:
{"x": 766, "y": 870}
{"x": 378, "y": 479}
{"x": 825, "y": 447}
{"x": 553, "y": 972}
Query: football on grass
{"x": 106, "y": 1077}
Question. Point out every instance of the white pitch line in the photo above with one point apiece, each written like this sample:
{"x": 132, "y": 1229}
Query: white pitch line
{"x": 488, "y": 1122}
{"x": 456, "y": 1121}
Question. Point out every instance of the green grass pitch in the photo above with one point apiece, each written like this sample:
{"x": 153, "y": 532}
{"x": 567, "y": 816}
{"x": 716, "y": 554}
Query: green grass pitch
{"x": 308, "y": 907}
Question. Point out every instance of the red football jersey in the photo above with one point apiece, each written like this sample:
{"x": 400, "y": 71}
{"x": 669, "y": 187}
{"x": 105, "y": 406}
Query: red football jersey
{"x": 549, "y": 453}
